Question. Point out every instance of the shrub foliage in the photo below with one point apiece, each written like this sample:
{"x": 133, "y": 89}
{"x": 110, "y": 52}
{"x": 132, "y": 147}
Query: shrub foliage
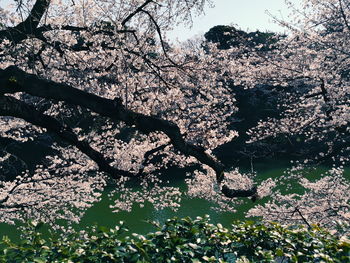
{"x": 181, "y": 240}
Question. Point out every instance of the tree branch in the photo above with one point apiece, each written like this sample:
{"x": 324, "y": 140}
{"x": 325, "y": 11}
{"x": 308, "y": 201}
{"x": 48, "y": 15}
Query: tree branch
{"x": 160, "y": 37}
{"x": 13, "y": 80}
{"x": 28, "y": 26}
{"x": 10, "y": 106}
{"x": 139, "y": 9}
{"x": 34, "y": 17}
{"x": 344, "y": 15}
{"x": 302, "y": 217}
{"x": 147, "y": 155}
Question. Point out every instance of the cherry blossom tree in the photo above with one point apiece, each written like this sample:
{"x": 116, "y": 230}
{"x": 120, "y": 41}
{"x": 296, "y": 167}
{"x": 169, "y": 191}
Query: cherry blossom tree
{"x": 115, "y": 103}
{"x": 312, "y": 61}
{"x": 309, "y": 68}
{"x": 99, "y": 79}
{"x": 302, "y": 200}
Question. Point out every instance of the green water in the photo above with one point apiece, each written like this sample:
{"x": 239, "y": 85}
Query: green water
{"x": 137, "y": 219}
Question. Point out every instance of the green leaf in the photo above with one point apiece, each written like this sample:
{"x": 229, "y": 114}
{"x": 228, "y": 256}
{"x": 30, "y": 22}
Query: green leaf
{"x": 279, "y": 252}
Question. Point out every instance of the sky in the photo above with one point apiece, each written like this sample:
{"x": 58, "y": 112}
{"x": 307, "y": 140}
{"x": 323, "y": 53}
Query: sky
{"x": 246, "y": 14}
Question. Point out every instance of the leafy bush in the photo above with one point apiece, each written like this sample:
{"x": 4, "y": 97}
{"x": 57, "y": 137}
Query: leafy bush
{"x": 181, "y": 240}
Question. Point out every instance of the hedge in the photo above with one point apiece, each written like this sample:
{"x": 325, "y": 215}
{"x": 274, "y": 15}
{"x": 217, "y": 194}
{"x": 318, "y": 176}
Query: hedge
{"x": 181, "y": 240}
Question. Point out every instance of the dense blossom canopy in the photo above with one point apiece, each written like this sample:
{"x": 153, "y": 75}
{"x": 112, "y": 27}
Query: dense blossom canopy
{"x": 94, "y": 89}
{"x": 309, "y": 68}
{"x": 99, "y": 84}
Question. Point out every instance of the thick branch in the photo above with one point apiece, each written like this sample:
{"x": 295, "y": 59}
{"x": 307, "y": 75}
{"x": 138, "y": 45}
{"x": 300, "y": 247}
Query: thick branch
{"x": 95, "y": 30}
{"x": 33, "y": 19}
{"x": 28, "y": 26}
{"x": 12, "y": 107}
{"x": 13, "y": 79}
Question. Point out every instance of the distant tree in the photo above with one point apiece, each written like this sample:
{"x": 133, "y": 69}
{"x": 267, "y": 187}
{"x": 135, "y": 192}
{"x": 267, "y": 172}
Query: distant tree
{"x": 228, "y": 36}
{"x": 225, "y": 36}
